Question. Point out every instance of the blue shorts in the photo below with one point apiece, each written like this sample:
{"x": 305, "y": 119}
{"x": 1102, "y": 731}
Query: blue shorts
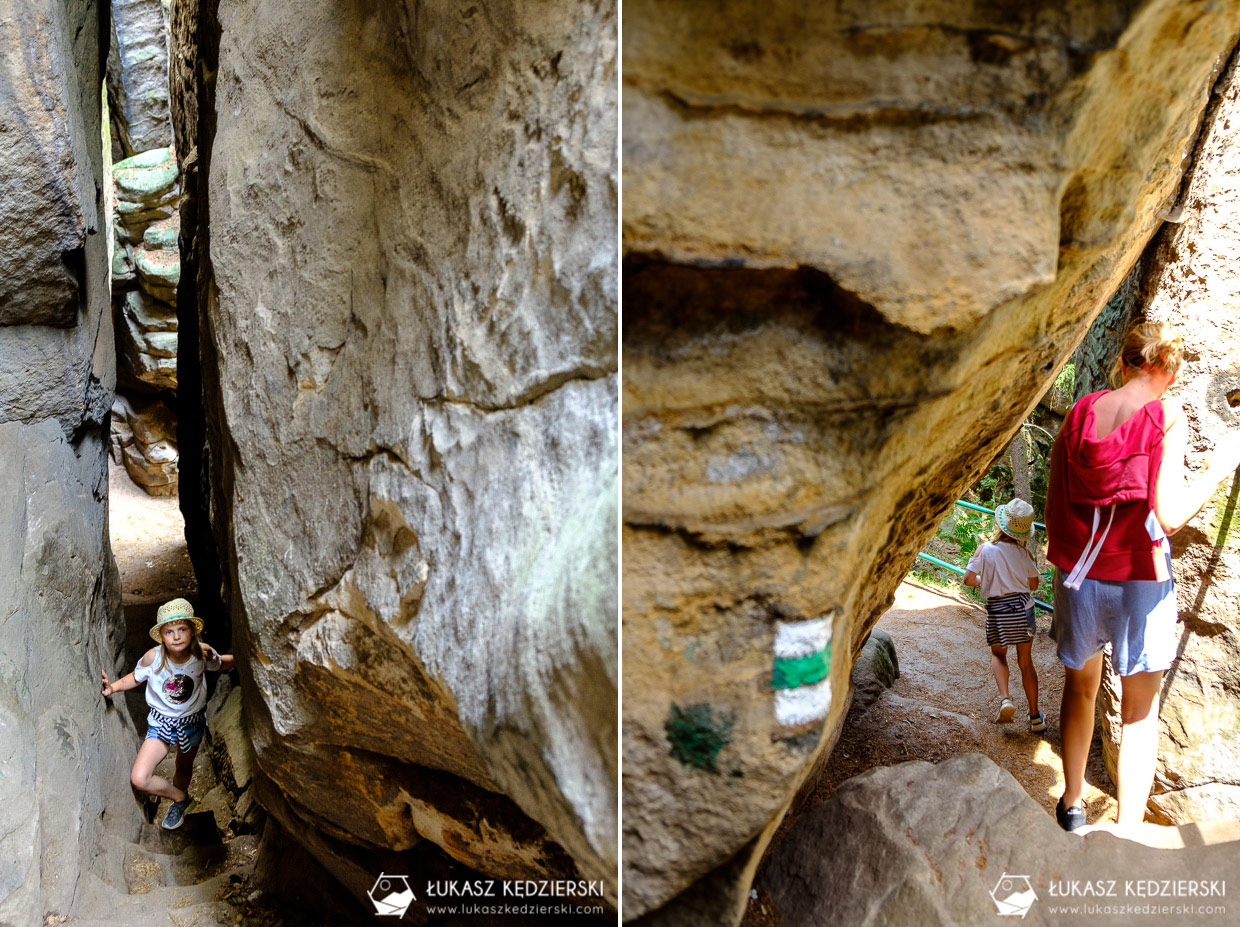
{"x": 185, "y": 733}
{"x": 1136, "y": 617}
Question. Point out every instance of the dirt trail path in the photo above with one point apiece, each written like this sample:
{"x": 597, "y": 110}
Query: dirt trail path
{"x": 148, "y": 541}
{"x": 944, "y": 704}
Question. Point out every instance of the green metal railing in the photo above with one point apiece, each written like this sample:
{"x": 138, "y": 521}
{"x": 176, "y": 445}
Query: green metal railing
{"x": 955, "y": 569}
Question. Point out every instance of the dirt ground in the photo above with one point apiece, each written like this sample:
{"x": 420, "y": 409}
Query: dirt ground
{"x": 148, "y": 541}
{"x": 944, "y": 704}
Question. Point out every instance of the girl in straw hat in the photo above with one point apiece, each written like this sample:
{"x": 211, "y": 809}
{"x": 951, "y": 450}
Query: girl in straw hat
{"x": 174, "y": 673}
{"x": 1007, "y": 573}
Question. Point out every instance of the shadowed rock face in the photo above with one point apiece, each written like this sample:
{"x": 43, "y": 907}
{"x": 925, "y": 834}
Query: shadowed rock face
{"x": 406, "y": 290}
{"x": 859, "y": 241}
{"x": 63, "y": 756}
{"x": 1189, "y": 279}
{"x": 50, "y": 200}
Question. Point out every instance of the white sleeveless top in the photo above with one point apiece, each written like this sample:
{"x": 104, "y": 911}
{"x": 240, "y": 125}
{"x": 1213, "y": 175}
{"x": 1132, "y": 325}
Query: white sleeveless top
{"x": 177, "y": 690}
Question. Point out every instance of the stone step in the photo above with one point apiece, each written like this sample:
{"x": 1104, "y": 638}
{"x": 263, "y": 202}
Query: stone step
{"x": 197, "y": 830}
{"x": 146, "y": 871}
{"x": 196, "y": 905}
{"x": 205, "y": 914}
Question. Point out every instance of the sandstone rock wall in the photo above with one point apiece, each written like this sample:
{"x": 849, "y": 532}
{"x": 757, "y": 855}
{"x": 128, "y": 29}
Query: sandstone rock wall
{"x": 48, "y": 202}
{"x": 138, "y": 76}
{"x": 146, "y": 261}
{"x": 146, "y": 270}
{"x": 860, "y": 239}
{"x": 1190, "y": 280}
{"x": 64, "y": 760}
{"x": 402, "y": 225}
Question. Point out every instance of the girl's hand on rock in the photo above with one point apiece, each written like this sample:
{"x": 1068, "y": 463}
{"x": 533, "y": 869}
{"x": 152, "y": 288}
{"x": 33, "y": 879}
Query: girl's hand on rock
{"x": 107, "y": 686}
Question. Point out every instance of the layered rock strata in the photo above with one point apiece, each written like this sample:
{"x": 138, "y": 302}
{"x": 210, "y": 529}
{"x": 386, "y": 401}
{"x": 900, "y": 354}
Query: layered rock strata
{"x": 410, "y": 406}
{"x": 64, "y": 760}
{"x": 1190, "y": 279}
{"x": 146, "y": 269}
{"x": 144, "y": 443}
{"x": 859, "y": 242}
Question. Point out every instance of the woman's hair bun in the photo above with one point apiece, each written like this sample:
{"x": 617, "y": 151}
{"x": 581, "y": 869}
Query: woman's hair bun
{"x": 1152, "y": 344}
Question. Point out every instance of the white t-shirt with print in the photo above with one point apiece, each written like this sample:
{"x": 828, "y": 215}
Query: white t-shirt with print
{"x": 176, "y": 690}
{"x": 1003, "y": 568}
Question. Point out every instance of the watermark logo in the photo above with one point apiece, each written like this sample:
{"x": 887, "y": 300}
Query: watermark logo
{"x": 1014, "y": 895}
{"x": 391, "y": 895}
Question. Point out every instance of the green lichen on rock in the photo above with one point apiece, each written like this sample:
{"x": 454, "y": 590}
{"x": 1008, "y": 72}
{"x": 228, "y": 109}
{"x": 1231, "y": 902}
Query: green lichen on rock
{"x": 697, "y": 735}
{"x": 147, "y": 177}
{"x": 161, "y": 238}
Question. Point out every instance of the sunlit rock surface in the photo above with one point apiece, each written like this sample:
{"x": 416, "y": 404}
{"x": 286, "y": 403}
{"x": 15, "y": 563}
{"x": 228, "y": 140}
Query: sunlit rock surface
{"x": 859, "y": 241}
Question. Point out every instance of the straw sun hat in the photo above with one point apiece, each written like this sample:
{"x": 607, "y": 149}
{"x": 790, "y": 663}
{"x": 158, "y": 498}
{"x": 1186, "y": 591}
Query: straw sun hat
{"x": 176, "y": 610}
{"x": 1015, "y": 519}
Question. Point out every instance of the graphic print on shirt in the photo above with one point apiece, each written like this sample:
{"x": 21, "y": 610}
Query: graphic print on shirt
{"x": 179, "y": 688}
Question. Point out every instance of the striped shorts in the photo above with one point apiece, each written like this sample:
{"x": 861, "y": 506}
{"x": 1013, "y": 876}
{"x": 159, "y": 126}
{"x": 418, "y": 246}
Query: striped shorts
{"x": 184, "y": 733}
{"x": 1009, "y": 619}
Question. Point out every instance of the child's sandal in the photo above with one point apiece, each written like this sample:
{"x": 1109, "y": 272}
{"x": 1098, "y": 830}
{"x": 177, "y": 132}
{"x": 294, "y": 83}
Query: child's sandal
{"x": 1037, "y": 723}
{"x": 1007, "y": 711}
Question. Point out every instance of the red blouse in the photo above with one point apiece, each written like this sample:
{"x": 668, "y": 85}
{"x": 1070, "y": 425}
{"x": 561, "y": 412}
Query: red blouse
{"x": 1090, "y": 474}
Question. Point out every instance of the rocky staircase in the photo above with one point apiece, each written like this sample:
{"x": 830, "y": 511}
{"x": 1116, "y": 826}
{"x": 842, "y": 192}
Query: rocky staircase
{"x": 183, "y": 878}
{"x": 200, "y": 874}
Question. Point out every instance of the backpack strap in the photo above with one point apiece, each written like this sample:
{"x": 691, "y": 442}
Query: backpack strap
{"x": 1091, "y": 551}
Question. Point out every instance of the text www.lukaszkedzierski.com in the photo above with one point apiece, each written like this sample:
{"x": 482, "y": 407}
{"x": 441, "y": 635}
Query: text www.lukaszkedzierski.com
{"x": 1179, "y": 910}
{"x": 500, "y": 909}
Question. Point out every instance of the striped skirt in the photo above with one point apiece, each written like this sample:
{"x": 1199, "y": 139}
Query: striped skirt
{"x": 1009, "y": 619}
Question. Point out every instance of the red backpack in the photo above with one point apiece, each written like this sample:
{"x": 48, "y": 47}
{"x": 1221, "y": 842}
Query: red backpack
{"x": 1117, "y": 473}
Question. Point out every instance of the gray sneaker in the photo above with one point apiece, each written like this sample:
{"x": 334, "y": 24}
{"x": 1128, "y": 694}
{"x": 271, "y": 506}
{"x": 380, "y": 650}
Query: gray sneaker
{"x": 176, "y": 814}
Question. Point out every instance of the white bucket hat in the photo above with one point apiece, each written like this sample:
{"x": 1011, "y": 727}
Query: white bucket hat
{"x": 1015, "y": 519}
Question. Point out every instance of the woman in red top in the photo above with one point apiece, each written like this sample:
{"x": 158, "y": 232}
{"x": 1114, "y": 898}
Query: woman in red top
{"x": 1117, "y": 489}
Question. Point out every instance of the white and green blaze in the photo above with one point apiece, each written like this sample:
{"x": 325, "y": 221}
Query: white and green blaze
{"x": 801, "y": 679}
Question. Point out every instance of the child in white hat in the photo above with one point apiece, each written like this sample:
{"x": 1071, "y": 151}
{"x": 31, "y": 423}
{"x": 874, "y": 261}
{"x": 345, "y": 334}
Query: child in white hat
{"x": 175, "y": 676}
{"x": 1007, "y": 574}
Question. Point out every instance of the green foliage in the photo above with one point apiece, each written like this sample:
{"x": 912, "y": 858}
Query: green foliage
{"x": 1065, "y": 383}
{"x": 963, "y": 531}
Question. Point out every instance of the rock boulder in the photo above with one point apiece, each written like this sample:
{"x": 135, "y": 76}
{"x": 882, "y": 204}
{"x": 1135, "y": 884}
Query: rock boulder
{"x": 147, "y": 191}
{"x": 50, "y": 202}
{"x": 406, "y": 289}
{"x": 144, "y": 442}
{"x": 960, "y": 843}
{"x": 146, "y": 339}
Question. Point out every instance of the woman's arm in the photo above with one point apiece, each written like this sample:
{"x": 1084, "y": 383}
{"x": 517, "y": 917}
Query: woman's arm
{"x": 1176, "y": 498}
{"x": 971, "y": 578}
